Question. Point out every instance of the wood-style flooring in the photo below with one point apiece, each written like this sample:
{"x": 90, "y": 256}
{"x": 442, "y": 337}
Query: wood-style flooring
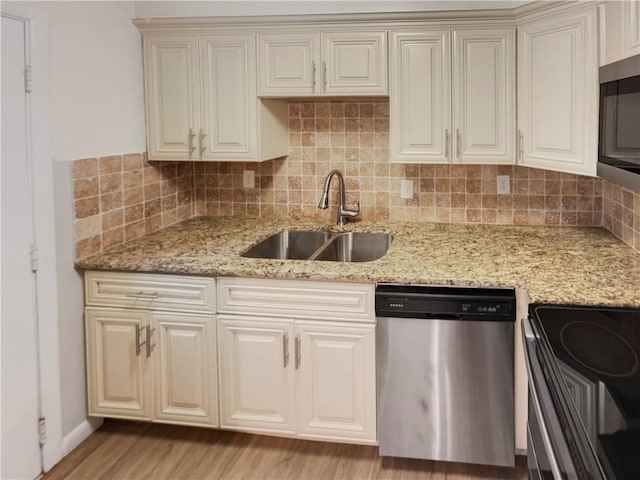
{"x": 136, "y": 450}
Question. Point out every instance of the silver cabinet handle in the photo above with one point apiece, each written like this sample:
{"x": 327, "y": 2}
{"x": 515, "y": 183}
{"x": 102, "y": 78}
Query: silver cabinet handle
{"x": 297, "y": 352}
{"x": 191, "y": 137}
{"x": 521, "y": 146}
{"x": 141, "y": 294}
{"x": 202, "y": 146}
{"x": 446, "y": 144}
{"x": 457, "y": 143}
{"x": 148, "y": 342}
{"x": 313, "y": 76}
{"x": 139, "y": 344}
{"x": 285, "y": 350}
{"x": 324, "y": 74}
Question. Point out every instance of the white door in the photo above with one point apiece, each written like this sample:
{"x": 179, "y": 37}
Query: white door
{"x": 172, "y": 96}
{"x": 185, "y": 372}
{"x": 336, "y": 387}
{"x": 558, "y": 93}
{"x": 420, "y": 96}
{"x": 256, "y": 374}
{"x": 21, "y": 456}
{"x": 484, "y": 103}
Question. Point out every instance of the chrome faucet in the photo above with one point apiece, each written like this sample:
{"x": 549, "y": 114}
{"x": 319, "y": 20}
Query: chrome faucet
{"x": 324, "y": 198}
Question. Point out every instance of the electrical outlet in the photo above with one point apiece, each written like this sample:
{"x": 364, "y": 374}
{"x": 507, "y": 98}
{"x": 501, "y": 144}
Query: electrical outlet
{"x": 406, "y": 188}
{"x": 248, "y": 179}
{"x": 504, "y": 184}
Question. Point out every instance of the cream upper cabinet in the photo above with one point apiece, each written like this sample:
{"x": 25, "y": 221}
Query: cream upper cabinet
{"x": 172, "y": 91}
{"x": 420, "y": 96}
{"x": 338, "y": 62}
{"x": 558, "y": 92}
{"x": 256, "y": 374}
{"x": 288, "y": 64}
{"x": 452, "y": 104}
{"x": 228, "y": 94}
{"x": 335, "y": 380}
{"x": 484, "y": 107}
{"x": 201, "y": 101}
{"x": 621, "y": 35}
{"x": 354, "y": 62}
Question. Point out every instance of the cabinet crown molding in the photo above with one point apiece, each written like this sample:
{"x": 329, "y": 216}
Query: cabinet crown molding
{"x": 502, "y": 16}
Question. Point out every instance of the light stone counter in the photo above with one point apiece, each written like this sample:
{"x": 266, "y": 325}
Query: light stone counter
{"x": 580, "y": 265}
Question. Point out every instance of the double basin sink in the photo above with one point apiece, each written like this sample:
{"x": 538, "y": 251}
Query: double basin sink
{"x": 322, "y": 245}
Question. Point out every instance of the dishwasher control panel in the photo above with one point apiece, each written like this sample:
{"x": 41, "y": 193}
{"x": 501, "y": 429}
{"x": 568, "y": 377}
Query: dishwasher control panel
{"x": 422, "y": 301}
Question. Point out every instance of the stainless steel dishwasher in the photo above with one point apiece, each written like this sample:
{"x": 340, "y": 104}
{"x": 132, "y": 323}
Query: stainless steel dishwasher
{"x": 445, "y": 373}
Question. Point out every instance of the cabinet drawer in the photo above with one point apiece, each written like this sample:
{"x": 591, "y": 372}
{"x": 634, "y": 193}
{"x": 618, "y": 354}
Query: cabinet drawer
{"x": 150, "y": 291}
{"x": 297, "y": 298}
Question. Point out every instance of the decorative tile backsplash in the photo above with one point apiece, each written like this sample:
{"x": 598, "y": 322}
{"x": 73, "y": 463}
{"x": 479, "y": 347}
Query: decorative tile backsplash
{"x": 353, "y": 136}
{"x": 119, "y": 198}
{"x": 622, "y": 213}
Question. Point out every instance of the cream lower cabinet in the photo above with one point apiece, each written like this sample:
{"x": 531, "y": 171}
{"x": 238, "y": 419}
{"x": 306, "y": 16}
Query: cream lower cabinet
{"x": 303, "y": 367}
{"x": 311, "y": 378}
{"x": 149, "y": 364}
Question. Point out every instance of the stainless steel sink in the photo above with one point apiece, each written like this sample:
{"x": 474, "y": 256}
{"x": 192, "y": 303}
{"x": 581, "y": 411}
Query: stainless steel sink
{"x": 289, "y": 244}
{"x": 322, "y": 245}
{"x": 355, "y": 247}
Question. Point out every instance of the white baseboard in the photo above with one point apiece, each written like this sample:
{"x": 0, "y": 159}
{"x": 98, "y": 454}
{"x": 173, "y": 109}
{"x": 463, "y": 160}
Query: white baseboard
{"x": 79, "y": 434}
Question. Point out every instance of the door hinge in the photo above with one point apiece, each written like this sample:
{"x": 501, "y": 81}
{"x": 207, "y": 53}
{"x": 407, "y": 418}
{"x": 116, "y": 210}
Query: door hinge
{"x": 33, "y": 253}
{"x": 28, "y": 79}
{"x": 42, "y": 430}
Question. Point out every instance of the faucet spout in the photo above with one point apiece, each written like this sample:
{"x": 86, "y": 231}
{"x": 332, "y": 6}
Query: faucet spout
{"x": 324, "y": 197}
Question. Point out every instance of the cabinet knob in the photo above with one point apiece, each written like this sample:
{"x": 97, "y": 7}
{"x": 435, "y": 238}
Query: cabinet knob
{"x": 297, "y": 352}
{"x": 285, "y": 350}
{"x": 446, "y": 143}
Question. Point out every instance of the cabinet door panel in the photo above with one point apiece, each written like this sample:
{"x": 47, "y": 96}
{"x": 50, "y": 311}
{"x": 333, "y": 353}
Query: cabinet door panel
{"x": 356, "y": 63}
{"x": 288, "y": 64}
{"x": 420, "y": 97}
{"x": 228, "y": 91}
{"x": 172, "y": 96}
{"x": 256, "y": 377}
{"x": 558, "y": 93}
{"x": 117, "y": 378}
{"x": 336, "y": 381}
{"x": 185, "y": 369}
{"x": 484, "y": 96}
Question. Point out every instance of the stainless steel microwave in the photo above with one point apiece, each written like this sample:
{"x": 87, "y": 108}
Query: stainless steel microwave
{"x": 619, "y": 132}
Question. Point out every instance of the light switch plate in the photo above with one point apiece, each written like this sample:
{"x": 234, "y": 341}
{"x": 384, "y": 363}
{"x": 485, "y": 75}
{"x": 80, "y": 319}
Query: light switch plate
{"x": 406, "y": 188}
{"x": 504, "y": 184}
{"x": 248, "y": 179}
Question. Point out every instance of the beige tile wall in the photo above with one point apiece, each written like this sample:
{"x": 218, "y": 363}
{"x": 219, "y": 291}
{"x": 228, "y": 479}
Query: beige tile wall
{"x": 622, "y": 214}
{"x": 353, "y": 136}
{"x": 119, "y": 198}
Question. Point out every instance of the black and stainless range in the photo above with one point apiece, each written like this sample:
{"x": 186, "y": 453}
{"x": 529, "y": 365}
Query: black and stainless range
{"x": 584, "y": 392}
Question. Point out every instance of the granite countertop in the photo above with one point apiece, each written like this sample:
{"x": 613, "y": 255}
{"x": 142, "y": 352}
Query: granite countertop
{"x": 580, "y": 265}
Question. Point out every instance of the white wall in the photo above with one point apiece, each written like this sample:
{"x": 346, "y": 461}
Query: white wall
{"x": 95, "y": 56}
{"x": 150, "y": 9}
{"x": 97, "y": 109}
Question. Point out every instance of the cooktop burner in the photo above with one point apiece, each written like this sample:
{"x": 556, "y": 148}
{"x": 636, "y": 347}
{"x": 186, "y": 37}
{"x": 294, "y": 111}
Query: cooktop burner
{"x": 599, "y": 349}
